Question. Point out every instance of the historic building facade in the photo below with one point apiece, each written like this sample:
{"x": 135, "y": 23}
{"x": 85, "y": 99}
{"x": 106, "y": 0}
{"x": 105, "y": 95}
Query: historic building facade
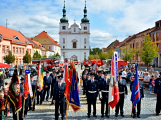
{"x": 74, "y": 40}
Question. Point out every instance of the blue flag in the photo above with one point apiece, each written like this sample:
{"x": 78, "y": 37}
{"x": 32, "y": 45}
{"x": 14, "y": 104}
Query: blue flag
{"x": 74, "y": 100}
{"x": 135, "y": 96}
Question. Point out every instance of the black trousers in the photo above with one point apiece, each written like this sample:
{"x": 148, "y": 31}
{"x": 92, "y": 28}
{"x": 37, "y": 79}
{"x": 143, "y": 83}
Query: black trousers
{"x": 30, "y": 103}
{"x": 39, "y": 94}
{"x": 62, "y": 109}
{"x": 120, "y": 105}
{"x": 92, "y": 101}
{"x": 104, "y": 102}
{"x": 138, "y": 108}
{"x": 158, "y": 105}
{"x": 46, "y": 90}
{"x": 51, "y": 93}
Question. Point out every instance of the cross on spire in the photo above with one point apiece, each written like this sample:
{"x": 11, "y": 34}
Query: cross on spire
{"x": 74, "y": 20}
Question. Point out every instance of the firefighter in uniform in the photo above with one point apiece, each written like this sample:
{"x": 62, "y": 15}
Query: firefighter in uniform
{"x": 59, "y": 97}
{"x": 92, "y": 91}
{"x": 122, "y": 91}
{"x": 157, "y": 93}
{"x": 139, "y": 103}
{"x": 104, "y": 90}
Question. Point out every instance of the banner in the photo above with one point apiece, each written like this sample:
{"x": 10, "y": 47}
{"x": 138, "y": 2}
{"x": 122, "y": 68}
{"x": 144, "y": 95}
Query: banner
{"x": 27, "y": 73}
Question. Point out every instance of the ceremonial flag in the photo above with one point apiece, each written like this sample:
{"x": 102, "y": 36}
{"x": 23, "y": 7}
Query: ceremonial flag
{"x": 40, "y": 76}
{"x": 74, "y": 100}
{"x": 65, "y": 80}
{"x": 14, "y": 91}
{"x": 135, "y": 96}
{"x": 26, "y": 86}
{"x": 27, "y": 76}
{"x": 95, "y": 66}
{"x": 113, "y": 87}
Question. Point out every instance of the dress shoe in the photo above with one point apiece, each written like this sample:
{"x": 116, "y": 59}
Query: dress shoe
{"x": 157, "y": 114}
{"x": 94, "y": 115}
{"x": 46, "y": 99}
{"x": 122, "y": 115}
{"x": 116, "y": 115}
{"x": 88, "y": 116}
{"x": 138, "y": 116}
{"x": 107, "y": 115}
{"x": 102, "y": 116}
{"x": 134, "y": 116}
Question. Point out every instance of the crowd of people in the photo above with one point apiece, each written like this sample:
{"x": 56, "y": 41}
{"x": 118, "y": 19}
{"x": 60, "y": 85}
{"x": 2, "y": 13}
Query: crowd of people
{"x": 95, "y": 83}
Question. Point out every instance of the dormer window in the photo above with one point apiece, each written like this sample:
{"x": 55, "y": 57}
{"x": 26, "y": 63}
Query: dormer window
{"x": 63, "y": 27}
{"x": 16, "y": 38}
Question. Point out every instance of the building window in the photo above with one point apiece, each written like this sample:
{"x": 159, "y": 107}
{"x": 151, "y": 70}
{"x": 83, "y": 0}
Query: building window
{"x": 29, "y": 51}
{"x": 84, "y": 40}
{"x": 63, "y": 46}
{"x": 74, "y": 45}
{"x": 153, "y": 37}
{"x": 133, "y": 45}
{"x": 85, "y": 28}
{"x": 49, "y": 47}
{"x": 157, "y": 36}
{"x": 19, "y": 61}
{"x": 63, "y": 27}
{"x": 16, "y": 50}
{"x": 84, "y": 55}
{"x": 63, "y": 40}
{"x": 20, "y": 50}
{"x": 64, "y": 54}
{"x": 3, "y": 49}
{"x": 7, "y": 48}
{"x": 74, "y": 29}
{"x": 84, "y": 46}
{"x": 13, "y": 49}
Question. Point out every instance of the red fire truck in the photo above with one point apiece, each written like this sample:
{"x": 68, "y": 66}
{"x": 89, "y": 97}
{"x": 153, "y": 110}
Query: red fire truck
{"x": 47, "y": 63}
{"x": 92, "y": 62}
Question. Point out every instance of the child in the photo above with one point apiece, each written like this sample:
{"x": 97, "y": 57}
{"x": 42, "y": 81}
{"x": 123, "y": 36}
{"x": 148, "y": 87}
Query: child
{"x": 2, "y": 108}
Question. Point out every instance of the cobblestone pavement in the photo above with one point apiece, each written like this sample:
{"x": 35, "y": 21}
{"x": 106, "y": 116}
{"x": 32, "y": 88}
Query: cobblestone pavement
{"x": 46, "y": 111}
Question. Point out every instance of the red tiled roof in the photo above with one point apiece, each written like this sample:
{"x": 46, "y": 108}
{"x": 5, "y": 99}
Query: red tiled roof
{"x": 45, "y": 35}
{"x": 11, "y": 34}
{"x": 103, "y": 49}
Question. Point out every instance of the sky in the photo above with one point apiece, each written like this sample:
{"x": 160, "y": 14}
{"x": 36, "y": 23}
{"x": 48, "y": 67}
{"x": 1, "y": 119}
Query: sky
{"x": 109, "y": 19}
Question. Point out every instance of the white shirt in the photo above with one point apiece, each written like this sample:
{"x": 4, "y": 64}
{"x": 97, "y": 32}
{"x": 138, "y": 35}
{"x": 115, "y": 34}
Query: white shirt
{"x": 123, "y": 74}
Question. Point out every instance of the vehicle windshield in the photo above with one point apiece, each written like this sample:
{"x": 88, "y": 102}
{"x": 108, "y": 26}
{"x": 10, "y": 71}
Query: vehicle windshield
{"x": 55, "y": 62}
{"x": 61, "y": 61}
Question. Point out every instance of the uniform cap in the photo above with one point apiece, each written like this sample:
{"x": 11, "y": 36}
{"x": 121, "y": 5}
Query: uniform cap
{"x": 47, "y": 71}
{"x": 92, "y": 74}
{"x": 105, "y": 73}
{"x": 120, "y": 74}
{"x": 31, "y": 76}
{"x": 60, "y": 77}
{"x": 22, "y": 78}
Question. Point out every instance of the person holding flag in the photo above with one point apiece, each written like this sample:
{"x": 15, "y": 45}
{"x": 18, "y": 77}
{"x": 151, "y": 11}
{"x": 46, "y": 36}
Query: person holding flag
{"x": 137, "y": 92}
{"x": 122, "y": 91}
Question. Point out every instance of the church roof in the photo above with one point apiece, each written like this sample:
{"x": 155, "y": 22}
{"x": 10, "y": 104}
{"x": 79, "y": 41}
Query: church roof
{"x": 45, "y": 35}
{"x": 74, "y": 25}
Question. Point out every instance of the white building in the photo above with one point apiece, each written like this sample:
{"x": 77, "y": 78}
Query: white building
{"x": 74, "y": 41}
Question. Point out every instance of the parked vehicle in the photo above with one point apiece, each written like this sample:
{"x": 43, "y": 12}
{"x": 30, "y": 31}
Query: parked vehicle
{"x": 11, "y": 71}
{"x": 33, "y": 71}
{"x": 92, "y": 62}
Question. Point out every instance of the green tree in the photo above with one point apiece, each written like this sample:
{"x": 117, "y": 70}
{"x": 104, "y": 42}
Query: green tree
{"x": 93, "y": 51}
{"x": 90, "y": 57}
{"x": 110, "y": 53}
{"x": 9, "y": 58}
{"x": 148, "y": 51}
{"x": 96, "y": 56}
{"x": 103, "y": 55}
{"x": 44, "y": 56}
{"x": 36, "y": 55}
{"x": 27, "y": 58}
{"x": 57, "y": 54}
{"x": 128, "y": 53}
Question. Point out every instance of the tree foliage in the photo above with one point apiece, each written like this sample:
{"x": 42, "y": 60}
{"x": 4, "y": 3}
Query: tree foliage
{"x": 53, "y": 56}
{"x": 93, "y": 51}
{"x": 103, "y": 55}
{"x": 96, "y": 56}
{"x": 44, "y": 56}
{"x": 127, "y": 53}
{"x": 36, "y": 55}
{"x": 110, "y": 53}
{"x": 9, "y": 58}
{"x": 90, "y": 57}
{"x": 148, "y": 51}
{"x": 27, "y": 58}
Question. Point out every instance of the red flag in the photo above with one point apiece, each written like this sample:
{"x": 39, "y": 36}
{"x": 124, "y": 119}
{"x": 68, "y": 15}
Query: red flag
{"x": 14, "y": 91}
{"x": 26, "y": 86}
{"x": 113, "y": 88}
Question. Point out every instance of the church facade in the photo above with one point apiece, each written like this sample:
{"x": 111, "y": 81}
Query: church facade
{"x": 74, "y": 40}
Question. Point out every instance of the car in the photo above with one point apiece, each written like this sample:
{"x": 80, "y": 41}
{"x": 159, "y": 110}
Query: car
{"x": 11, "y": 71}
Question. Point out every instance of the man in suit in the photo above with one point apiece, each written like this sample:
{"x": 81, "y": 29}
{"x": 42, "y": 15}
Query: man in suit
{"x": 122, "y": 91}
{"x": 59, "y": 97}
{"x": 157, "y": 93}
{"x": 47, "y": 82}
{"x": 54, "y": 80}
{"x": 139, "y": 103}
{"x": 92, "y": 92}
{"x": 104, "y": 89}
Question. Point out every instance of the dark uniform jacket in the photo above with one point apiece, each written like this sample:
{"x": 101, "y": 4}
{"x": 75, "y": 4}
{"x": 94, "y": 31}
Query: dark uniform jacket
{"x": 157, "y": 88}
{"x": 140, "y": 86}
{"x": 47, "y": 81}
{"x": 53, "y": 81}
{"x": 122, "y": 86}
{"x": 92, "y": 87}
{"x": 58, "y": 93}
{"x": 104, "y": 86}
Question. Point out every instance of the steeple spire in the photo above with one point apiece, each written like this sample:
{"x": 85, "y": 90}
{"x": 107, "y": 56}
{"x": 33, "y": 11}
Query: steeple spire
{"x": 64, "y": 19}
{"x": 85, "y": 19}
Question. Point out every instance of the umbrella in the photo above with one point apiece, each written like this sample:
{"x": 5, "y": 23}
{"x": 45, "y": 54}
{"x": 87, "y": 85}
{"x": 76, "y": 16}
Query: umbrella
{"x": 4, "y": 65}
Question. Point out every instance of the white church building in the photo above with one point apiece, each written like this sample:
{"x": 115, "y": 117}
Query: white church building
{"x": 74, "y": 40}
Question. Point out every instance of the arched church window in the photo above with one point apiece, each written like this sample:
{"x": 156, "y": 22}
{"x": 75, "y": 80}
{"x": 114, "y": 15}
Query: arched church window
{"x": 74, "y": 45}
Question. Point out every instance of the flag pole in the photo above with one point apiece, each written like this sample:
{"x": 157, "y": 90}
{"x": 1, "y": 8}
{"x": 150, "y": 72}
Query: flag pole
{"x": 18, "y": 115}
